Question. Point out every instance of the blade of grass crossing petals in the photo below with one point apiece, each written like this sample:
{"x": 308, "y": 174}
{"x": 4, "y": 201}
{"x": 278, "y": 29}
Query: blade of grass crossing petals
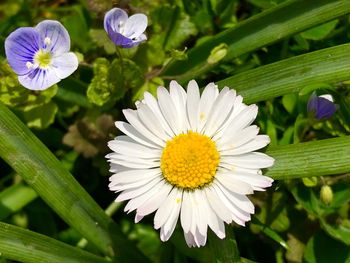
{"x": 27, "y": 246}
{"x": 316, "y": 158}
{"x": 258, "y": 31}
{"x": 30, "y": 158}
{"x": 330, "y": 65}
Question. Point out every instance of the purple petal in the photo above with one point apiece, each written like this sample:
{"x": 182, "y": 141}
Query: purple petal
{"x": 113, "y": 19}
{"x": 65, "y": 64}
{"x": 58, "y": 35}
{"x": 39, "y": 79}
{"x": 20, "y": 47}
{"x": 321, "y": 107}
{"x": 135, "y": 26}
{"x": 325, "y": 108}
{"x": 122, "y": 41}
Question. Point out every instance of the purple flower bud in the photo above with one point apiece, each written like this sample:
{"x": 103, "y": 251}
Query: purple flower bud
{"x": 322, "y": 107}
{"x": 40, "y": 55}
{"x": 123, "y": 31}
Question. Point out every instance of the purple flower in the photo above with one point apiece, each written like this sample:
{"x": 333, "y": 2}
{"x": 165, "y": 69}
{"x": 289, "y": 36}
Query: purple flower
{"x": 123, "y": 31}
{"x": 40, "y": 55}
{"x": 322, "y": 107}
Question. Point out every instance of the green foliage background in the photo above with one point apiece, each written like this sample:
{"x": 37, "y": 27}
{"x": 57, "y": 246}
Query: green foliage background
{"x": 273, "y": 52}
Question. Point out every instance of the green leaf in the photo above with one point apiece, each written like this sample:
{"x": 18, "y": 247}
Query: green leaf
{"x": 14, "y": 198}
{"x": 330, "y": 65}
{"x": 289, "y": 102}
{"x": 100, "y": 37}
{"x": 339, "y": 231}
{"x": 319, "y": 32}
{"x": 45, "y": 174}
{"x": 26, "y": 246}
{"x": 40, "y": 117}
{"x": 256, "y": 223}
{"x": 261, "y": 30}
{"x": 112, "y": 80}
{"x": 310, "y": 158}
{"x": 312, "y": 87}
{"x": 323, "y": 249}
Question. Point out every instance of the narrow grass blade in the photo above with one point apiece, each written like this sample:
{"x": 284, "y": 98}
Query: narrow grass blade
{"x": 14, "y": 198}
{"x": 26, "y": 246}
{"x": 30, "y": 158}
{"x": 329, "y": 65}
{"x": 258, "y": 31}
{"x": 316, "y": 158}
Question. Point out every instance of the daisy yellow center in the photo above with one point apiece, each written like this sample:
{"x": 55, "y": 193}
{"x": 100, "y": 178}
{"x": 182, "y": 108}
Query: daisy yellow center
{"x": 190, "y": 160}
{"x": 42, "y": 58}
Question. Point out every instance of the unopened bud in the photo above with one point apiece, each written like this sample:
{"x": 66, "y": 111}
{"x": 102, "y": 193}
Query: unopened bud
{"x": 217, "y": 54}
{"x": 326, "y": 194}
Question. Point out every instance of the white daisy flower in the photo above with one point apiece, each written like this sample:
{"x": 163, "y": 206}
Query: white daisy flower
{"x": 190, "y": 156}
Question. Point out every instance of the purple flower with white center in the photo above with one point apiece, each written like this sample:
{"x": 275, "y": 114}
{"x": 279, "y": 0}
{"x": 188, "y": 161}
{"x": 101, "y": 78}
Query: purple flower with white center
{"x": 123, "y": 31}
{"x": 322, "y": 107}
{"x": 40, "y": 55}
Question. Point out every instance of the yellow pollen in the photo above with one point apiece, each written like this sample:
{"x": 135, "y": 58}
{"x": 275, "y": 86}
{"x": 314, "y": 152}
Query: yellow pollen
{"x": 190, "y": 160}
{"x": 42, "y": 58}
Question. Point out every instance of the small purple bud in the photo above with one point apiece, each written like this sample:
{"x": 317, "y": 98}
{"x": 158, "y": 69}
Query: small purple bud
{"x": 322, "y": 107}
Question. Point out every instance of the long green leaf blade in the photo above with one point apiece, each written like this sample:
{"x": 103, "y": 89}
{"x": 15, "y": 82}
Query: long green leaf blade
{"x": 316, "y": 158}
{"x": 258, "y": 31}
{"x": 26, "y": 246}
{"x": 329, "y": 65}
{"x": 30, "y": 158}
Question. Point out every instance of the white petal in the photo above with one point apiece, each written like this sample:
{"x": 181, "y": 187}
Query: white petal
{"x": 238, "y": 215}
{"x": 258, "y": 142}
{"x": 193, "y": 98}
{"x": 233, "y": 184}
{"x": 170, "y": 223}
{"x": 149, "y": 119}
{"x": 168, "y": 109}
{"x": 253, "y": 160}
{"x": 118, "y": 185}
{"x": 237, "y": 138}
{"x": 64, "y": 64}
{"x": 202, "y": 211}
{"x": 153, "y": 104}
{"x": 242, "y": 120}
{"x": 214, "y": 222}
{"x": 174, "y": 199}
{"x": 220, "y": 209}
{"x": 132, "y": 193}
{"x": 130, "y": 131}
{"x": 242, "y": 201}
{"x": 145, "y": 199}
{"x": 133, "y": 119}
{"x": 179, "y": 97}
{"x": 220, "y": 112}
{"x": 134, "y": 175}
{"x": 154, "y": 202}
{"x": 133, "y": 149}
{"x": 208, "y": 97}
{"x": 135, "y": 163}
{"x": 255, "y": 180}
{"x": 186, "y": 212}
{"x": 135, "y": 25}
